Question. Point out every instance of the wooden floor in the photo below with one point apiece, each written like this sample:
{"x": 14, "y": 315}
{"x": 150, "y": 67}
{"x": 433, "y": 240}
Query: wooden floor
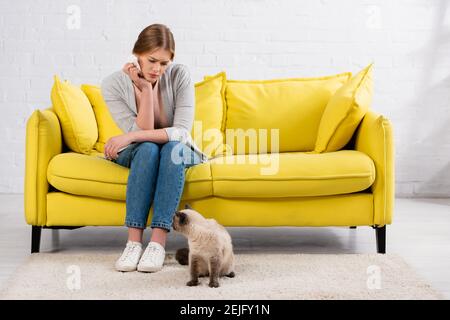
{"x": 420, "y": 233}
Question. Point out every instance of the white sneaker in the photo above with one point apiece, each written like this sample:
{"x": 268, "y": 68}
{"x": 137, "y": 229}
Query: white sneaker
{"x": 153, "y": 258}
{"x": 129, "y": 259}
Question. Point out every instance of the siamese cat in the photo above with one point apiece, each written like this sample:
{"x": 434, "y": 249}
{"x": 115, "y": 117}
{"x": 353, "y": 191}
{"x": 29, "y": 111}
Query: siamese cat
{"x": 210, "y": 249}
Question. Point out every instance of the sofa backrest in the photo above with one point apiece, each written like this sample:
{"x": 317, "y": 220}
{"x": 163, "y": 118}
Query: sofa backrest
{"x": 252, "y": 112}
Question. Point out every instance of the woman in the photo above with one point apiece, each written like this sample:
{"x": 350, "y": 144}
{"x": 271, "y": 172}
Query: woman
{"x": 154, "y": 107}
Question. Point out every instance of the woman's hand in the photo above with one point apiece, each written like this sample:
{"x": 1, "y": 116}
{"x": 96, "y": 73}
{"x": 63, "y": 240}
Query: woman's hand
{"x": 132, "y": 71}
{"x": 113, "y": 145}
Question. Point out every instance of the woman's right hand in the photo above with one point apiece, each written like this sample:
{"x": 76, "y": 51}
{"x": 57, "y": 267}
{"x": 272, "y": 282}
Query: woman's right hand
{"x": 132, "y": 71}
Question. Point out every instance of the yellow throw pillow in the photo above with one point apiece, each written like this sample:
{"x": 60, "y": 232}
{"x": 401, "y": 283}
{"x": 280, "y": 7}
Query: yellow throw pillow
{"x": 293, "y": 106}
{"x": 107, "y": 127}
{"x": 344, "y": 112}
{"x": 210, "y": 113}
{"x": 75, "y": 114}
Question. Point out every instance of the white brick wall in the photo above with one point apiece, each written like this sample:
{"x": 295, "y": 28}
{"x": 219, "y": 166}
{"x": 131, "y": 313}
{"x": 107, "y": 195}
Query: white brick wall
{"x": 407, "y": 40}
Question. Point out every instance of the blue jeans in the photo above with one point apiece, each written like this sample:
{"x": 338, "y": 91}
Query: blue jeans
{"x": 157, "y": 175}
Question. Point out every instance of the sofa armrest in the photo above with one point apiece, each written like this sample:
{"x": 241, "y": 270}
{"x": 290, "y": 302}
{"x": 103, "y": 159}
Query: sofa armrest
{"x": 43, "y": 141}
{"x": 375, "y": 138}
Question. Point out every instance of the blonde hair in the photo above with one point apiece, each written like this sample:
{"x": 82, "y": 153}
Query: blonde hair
{"x": 153, "y": 37}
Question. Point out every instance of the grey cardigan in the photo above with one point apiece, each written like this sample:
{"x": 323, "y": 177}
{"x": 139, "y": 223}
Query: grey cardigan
{"x": 178, "y": 97}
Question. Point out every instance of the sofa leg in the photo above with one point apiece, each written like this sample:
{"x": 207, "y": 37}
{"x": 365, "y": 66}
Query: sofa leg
{"x": 352, "y": 227}
{"x": 35, "y": 238}
{"x": 36, "y": 235}
{"x": 381, "y": 239}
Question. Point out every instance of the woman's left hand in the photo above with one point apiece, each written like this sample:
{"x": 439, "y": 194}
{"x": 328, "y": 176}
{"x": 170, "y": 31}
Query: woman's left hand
{"x": 114, "y": 144}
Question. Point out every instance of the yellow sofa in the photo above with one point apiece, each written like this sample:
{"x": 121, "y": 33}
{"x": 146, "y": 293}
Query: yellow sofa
{"x": 353, "y": 186}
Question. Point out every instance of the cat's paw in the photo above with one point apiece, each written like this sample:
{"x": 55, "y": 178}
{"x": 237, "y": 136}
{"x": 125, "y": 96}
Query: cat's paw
{"x": 192, "y": 283}
{"x": 231, "y": 274}
{"x": 214, "y": 284}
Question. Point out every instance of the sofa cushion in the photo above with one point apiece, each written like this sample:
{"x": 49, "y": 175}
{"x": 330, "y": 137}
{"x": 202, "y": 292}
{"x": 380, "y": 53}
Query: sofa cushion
{"x": 210, "y": 113}
{"x": 92, "y": 175}
{"x": 107, "y": 127}
{"x": 293, "y": 105}
{"x": 297, "y": 174}
{"x": 344, "y": 112}
{"x": 75, "y": 115}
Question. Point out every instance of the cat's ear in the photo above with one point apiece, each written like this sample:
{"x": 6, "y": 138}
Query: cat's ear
{"x": 187, "y": 206}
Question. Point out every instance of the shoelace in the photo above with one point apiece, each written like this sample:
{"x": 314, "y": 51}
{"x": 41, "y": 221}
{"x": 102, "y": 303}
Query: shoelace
{"x": 129, "y": 249}
{"x": 149, "y": 250}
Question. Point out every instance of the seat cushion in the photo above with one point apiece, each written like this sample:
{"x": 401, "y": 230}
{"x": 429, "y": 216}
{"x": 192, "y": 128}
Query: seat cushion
{"x": 293, "y": 174}
{"x": 92, "y": 175}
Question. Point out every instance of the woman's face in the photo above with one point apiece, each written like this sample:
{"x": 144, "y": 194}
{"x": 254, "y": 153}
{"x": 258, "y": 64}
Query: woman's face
{"x": 153, "y": 64}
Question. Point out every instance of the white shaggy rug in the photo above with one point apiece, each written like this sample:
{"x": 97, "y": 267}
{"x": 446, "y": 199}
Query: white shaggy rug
{"x": 258, "y": 276}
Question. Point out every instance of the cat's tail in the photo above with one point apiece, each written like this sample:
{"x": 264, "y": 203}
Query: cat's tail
{"x": 182, "y": 256}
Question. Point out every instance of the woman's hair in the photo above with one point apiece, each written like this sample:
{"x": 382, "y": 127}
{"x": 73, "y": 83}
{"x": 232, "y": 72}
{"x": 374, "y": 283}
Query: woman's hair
{"x": 153, "y": 37}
